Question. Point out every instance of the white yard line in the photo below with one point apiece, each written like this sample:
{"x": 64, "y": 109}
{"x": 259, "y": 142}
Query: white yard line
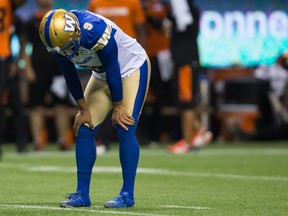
{"x": 186, "y": 207}
{"x": 76, "y": 210}
{"x": 101, "y": 211}
{"x": 230, "y": 176}
{"x": 162, "y": 152}
{"x": 149, "y": 171}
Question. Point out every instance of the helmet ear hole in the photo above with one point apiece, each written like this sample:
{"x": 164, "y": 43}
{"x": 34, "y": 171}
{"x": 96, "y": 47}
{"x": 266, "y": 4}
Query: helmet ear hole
{"x": 77, "y": 31}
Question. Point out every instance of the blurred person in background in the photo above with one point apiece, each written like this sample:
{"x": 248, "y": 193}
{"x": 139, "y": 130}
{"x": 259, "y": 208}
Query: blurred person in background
{"x": 45, "y": 78}
{"x": 277, "y": 75}
{"x": 154, "y": 125}
{"x": 129, "y": 16}
{"x": 9, "y": 74}
{"x": 185, "y": 55}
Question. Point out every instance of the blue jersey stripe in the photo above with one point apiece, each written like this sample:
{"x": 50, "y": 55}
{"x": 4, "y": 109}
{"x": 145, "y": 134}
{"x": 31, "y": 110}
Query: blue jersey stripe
{"x": 46, "y": 29}
{"x": 140, "y": 97}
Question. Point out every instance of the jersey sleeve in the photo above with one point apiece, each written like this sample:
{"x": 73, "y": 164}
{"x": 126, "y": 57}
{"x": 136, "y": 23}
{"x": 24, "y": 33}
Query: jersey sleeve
{"x": 92, "y": 28}
{"x": 98, "y": 36}
{"x": 108, "y": 56}
{"x": 71, "y": 76}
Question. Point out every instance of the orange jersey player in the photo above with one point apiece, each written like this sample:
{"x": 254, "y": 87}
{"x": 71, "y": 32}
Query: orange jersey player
{"x": 6, "y": 23}
{"x": 156, "y": 12}
{"x": 127, "y": 14}
{"x": 8, "y": 72}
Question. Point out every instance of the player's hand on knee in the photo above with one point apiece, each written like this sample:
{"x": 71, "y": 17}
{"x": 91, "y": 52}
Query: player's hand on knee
{"x": 121, "y": 117}
{"x": 81, "y": 118}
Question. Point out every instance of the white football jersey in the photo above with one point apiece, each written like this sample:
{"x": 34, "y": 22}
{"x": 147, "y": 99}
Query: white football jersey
{"x": 132, "y": 54}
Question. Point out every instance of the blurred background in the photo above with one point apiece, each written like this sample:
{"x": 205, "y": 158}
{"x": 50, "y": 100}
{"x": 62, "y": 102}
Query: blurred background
{"x": 236, "y": 39}
{"x": 248, "y": 33}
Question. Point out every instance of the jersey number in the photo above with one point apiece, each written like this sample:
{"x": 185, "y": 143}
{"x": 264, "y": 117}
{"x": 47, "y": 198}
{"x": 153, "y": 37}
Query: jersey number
{"x": 2, "y": 16}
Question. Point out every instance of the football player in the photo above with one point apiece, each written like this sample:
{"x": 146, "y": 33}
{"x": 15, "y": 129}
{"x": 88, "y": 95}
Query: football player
{"x": 119, "y": 81}
{"x": 185, "y": 55}
{"x": 9, "y": 77}
{"x": 129, "y": 16}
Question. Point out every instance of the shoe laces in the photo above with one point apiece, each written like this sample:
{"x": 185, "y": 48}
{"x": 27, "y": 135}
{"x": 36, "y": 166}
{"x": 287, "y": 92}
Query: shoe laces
{"x": 73, "y": 195}
{"x": 119, "y": 198}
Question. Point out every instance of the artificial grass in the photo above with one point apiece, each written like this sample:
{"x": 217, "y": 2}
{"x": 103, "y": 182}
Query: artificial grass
{"x": 220, "y": 179}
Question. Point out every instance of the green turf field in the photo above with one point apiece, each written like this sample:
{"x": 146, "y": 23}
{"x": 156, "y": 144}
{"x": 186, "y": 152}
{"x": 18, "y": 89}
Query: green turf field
{"x": 221, "y": 179}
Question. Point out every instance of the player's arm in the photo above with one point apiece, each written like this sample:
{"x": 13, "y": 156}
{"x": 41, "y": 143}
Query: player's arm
{"x": 71, "y": 76}
{"x": 74, "y": 85}
{"x": 109, "y": 59}
{"x": 107, "y": 51}
{"x": 108, "y": 56}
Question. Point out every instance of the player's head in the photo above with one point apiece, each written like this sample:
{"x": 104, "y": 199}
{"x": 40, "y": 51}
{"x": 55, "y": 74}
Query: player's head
{"x": 60, "y": 32}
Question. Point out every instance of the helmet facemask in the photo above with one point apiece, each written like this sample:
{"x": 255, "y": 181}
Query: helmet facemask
{"x": 69, "y": 50}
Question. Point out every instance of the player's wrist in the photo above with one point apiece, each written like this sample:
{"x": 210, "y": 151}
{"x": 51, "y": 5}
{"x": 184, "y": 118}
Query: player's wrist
{"x": 117, "y": 104}
{"x": 82, "y": 105}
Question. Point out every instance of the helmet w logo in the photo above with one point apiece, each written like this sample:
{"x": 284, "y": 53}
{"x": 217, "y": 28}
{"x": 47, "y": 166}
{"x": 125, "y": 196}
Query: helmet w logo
{"x": 69, "y": 23}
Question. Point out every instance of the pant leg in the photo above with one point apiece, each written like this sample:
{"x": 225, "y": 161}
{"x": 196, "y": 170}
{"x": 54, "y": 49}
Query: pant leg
{"x": 134, "y": 93}
{"x": 18, "y": 114}
{"x": 4, "y": 69}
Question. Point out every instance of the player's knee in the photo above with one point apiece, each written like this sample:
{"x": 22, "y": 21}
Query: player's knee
{"x": 85, "y": 131}
{"x": 121, "y": 132}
